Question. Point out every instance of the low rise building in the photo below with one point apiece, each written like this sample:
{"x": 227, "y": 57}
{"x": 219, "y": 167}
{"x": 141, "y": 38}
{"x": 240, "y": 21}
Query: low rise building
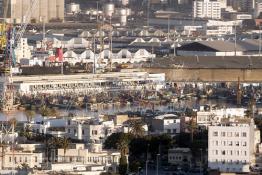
{"x": 180, "y": 157}
{"x": 168, "y": 123}
{"x": 115, "y": 81}
{"x": 89, "y": 156}
{"x": 18, "y": 158}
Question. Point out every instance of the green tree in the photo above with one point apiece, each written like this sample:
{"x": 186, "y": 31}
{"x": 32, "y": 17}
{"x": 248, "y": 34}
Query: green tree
{"x": 27, "y": 132}
{"x": 64, "y": 143}
{"x": 192, "y": 126}
{"x": 137, "y": 128}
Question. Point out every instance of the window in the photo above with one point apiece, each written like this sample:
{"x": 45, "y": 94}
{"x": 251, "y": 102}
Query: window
{"x": 20, "y": 159}
{"x": 94, "y": 132}
{"x": 174, "y": 130}
{"x": 68, "y": 130}
{"x": 230, "y": 143}
{"x": 215, "y": 134}
{"x": 223, "y": 134}
{"x": 236, "y": 134}
{"x": 229, "y": 134}
{"x": 35, "y": 158}
{"x": 168, "y": 130}
{"x": 83, "y": 131}
{"x": 223, "y": 152}
{"x": 244, "y": 134}
{"x": 244, "y": 143}
{"x": 10, "y": 159}
{"x": 237, "y": 143}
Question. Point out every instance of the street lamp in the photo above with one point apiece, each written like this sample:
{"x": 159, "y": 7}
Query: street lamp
{"x": 138, "y": 170}
{"x": 200, "y": 160}
{"x": 147, "y": 157}
{"x": 157, "y": 156}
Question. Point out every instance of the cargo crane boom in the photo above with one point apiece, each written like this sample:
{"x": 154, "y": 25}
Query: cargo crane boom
{"x": 12, "y": 40}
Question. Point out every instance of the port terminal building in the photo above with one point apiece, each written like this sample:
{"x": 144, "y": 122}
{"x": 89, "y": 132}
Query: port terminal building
{"x": 86, "y": 83}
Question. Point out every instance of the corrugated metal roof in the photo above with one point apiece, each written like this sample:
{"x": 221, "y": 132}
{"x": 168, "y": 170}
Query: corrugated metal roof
{"x": 224, "y": 46}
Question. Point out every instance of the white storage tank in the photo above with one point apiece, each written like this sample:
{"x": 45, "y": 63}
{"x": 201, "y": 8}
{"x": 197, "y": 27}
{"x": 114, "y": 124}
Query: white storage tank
{"x": 109, "y": 9}
{"x": 123, "y": 20}
{"x": 124, "y": 2}
{"x": 123, "y": 12}
{"x": 73, "y": 8}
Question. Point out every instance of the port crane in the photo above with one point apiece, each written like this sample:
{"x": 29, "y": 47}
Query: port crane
{"x": 9, "y": 39}
{"x": 12, "y": 39}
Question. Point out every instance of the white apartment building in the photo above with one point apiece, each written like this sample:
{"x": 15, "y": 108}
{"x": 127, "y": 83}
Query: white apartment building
{"x": 231, "y": 146}
{"x": 207, "y": 9}
{"x": 89, "y": 130}
{"x": 23, "y": 50}
{"x": 168, "y": 123}
{"x": 214, "y": 116}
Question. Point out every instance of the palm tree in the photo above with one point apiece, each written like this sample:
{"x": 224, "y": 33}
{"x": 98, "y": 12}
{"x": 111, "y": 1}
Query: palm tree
{"x": 64, "y": 143}
{"x": 53, "y": 112}
{"x": 29, "y": 115}
{"x": 44, "y": 110}
{"x": 27, "y": 132}
{"x": 137, "y": 129}
{"x": 13, "y": 122}
{"x": 192, "y": 127}
{"x": 123, "y": 145}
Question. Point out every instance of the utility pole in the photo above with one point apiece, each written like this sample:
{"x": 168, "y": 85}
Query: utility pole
{"x": 259, "y": 40}
{"x": 148, "y": 8}
{"x": 94, "y": 49}
{"x": 235, "y": 45}
{"x": 168, "y": 28}
{"x": 157, "y": 166}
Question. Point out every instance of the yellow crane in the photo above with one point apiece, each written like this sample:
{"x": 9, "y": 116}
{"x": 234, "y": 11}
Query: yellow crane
{"x": 3, "y": 26}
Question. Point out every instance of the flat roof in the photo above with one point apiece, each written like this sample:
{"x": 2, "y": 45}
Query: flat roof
{"x": 208, "y": 62}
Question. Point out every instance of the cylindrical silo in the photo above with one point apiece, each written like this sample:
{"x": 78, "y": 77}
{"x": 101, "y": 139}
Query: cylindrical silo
{"x": 72, "y": 8}
{"x": 109, "y": 9}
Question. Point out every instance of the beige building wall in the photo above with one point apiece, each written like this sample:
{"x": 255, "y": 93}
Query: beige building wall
{"x": 45, "y": 9}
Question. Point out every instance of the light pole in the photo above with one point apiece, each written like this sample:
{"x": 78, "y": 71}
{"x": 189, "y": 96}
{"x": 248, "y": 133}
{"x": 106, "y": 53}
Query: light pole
{"x": 157, "y": 157}
{"x": 127, "y": 165}
{"x": 138, "y": 170}
{"x": 200, "y": 160}
{"x": 147, "y": 158}
{"x": 259, "y": 40}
